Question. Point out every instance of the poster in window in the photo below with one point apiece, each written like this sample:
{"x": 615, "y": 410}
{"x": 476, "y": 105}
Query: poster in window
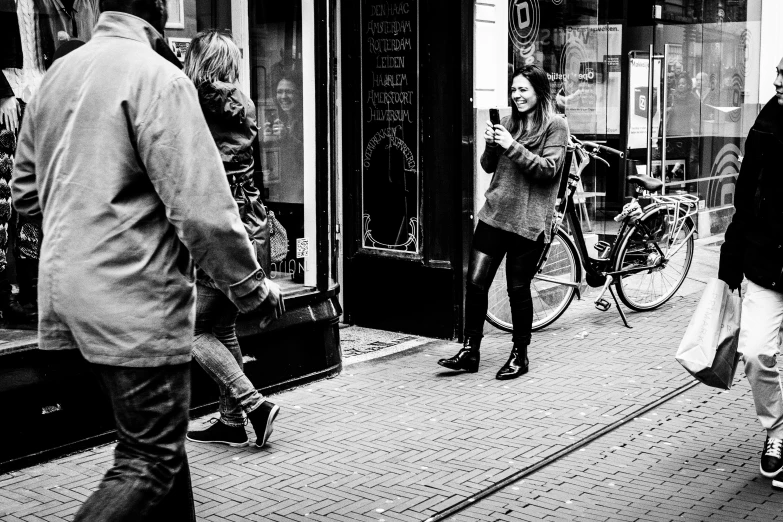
{"x": 639, "y": 97}
{"x": 390, "y": 125}
{"x": 179, "y": 47}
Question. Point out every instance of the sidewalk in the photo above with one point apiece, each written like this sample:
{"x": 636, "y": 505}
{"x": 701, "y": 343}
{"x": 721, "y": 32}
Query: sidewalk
{"x": 395, "y": 438}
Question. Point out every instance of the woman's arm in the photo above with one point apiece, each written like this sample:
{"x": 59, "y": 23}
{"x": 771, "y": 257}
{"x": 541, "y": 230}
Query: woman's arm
{"x": 543, "y": 166}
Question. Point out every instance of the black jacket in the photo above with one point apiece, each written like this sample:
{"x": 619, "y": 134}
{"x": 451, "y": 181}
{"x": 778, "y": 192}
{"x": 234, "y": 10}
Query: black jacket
{"x": 754, "y": 240}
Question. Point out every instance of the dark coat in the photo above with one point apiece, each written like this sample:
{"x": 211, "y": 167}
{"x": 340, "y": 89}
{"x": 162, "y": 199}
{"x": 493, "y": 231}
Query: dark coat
{"x": 230, "y": 116}
{"x": 754, "y": 240}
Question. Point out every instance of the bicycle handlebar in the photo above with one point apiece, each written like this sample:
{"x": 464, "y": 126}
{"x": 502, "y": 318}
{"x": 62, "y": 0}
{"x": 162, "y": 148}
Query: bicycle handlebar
{"x": 597, "y": 147}
{"x": 603, "y": 148}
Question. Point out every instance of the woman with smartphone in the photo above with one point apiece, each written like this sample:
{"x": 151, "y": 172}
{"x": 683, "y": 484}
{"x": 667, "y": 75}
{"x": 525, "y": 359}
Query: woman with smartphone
{"x": 525, "y": 152}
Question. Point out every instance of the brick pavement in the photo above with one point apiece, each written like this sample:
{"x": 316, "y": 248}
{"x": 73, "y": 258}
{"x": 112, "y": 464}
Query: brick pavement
{"x": 396, "y": 439}
{"x": 693, "y": 458}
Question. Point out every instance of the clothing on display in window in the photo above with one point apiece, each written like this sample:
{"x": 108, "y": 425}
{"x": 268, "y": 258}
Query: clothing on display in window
{"x": 11, "y": 55}
{"x": 60, "y": 20}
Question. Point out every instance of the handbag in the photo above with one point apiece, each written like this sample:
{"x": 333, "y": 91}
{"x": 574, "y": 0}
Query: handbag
{"x": 278, "y": 239}
{"x": 709, "y": 348}
{"x": 254, "y": 216}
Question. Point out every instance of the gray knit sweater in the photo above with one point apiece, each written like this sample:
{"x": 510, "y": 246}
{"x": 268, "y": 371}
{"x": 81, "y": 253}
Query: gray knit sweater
{"x": 521, "y": 196}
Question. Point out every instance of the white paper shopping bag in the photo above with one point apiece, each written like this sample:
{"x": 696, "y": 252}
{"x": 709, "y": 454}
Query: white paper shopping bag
{"x": 709, "y": 348}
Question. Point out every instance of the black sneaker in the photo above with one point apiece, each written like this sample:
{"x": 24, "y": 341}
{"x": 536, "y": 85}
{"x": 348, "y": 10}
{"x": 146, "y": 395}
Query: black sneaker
{"x": 219, "y": 433}
{"x": 772, "y": 458}
{"x": 777, "y": 482}
{"x": 262, "y": 419}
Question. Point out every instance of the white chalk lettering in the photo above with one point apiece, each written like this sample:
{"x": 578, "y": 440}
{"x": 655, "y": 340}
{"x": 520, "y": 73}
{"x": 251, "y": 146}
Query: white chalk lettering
{"x": 403, "y": 115}
{"x": 394, "y": 141}
{"x": 389, "y": 97}
{"x": 393, "y": 27}
{"x": 389, "y": 80}
{"x": 390, "y": 62}
{"x": 386, "y": 45}
{"x": 390, "y": 9}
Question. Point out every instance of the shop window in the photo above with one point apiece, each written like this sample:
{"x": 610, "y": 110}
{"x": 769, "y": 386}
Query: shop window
{"x": 278, "y": 81}
{"x": 708, "y": 77}
{"x": 582, "y": 57}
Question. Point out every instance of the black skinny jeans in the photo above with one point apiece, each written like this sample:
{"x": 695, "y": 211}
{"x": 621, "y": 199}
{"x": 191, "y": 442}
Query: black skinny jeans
{"x": 490, "y": 244}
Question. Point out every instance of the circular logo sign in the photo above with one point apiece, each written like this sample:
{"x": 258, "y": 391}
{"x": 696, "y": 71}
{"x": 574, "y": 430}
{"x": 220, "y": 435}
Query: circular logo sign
{"x": 524, "y": 18}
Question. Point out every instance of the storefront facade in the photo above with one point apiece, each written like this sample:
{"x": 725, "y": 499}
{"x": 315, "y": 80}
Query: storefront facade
{"x": 698, "y": 65}
{"x": 710, "y": 73}
{"x": 370, "y": 116}
{"x": 287, "y": 51}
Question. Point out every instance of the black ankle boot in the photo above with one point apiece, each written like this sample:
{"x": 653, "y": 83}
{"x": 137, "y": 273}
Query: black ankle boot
{"x": 516, "y": 364}
{"x": 466, "y": 359}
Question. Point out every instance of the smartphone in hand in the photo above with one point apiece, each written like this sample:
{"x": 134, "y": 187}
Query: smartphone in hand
{"x": 494, "y": 116}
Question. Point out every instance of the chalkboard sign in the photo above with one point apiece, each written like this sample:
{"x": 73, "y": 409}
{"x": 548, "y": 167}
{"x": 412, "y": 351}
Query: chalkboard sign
{"x": 390, "y": 125}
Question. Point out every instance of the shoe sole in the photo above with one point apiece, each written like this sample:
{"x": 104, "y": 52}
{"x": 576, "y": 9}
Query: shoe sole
{"x": 777, "y": 484}
{"x": 509, "y": 377}
{"x": 771, "y": 474}
{"x": 459, "y": 369}
{"x": 224, "y": 442}
{"x": 269, "y": 427}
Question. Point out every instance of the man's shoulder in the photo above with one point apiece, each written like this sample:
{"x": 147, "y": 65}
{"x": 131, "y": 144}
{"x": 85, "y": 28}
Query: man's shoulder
{"x": 109, "y": 52}
{"x": 147, "y": 62}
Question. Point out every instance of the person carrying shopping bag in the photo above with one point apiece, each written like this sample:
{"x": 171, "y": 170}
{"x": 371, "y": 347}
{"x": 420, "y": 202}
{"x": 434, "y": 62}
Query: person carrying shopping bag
{"x": 753, "y": 247}
{"x": 525, "y": 152}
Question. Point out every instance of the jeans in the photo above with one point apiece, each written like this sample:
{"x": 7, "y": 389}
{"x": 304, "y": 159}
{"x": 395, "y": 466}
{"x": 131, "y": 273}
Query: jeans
{"x": 216, "y": 349}
{"x": 150, "y": 478}
{"x": 760, "y": 327}
{"x": 490, "y": 244}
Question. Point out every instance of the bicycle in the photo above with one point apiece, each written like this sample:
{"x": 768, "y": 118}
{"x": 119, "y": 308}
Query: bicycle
{"x": 646, "y": 263}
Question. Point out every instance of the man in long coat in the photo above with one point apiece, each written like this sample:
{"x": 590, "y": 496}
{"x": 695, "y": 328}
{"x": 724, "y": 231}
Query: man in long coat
{"x": 116, "y": 159}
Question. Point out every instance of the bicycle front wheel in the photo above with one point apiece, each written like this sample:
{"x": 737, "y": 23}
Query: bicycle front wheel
{"x": 649, "y": 289}
{"x": 550, "y": 297}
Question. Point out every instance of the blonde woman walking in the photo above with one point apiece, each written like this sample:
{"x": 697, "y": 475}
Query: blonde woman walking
{"x": 212, "y": 63}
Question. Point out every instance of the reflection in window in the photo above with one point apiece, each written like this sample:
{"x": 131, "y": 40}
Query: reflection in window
{"x": 276, "y": 81}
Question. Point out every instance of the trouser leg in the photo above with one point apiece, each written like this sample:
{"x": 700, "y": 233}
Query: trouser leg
{"x": 521, "y": 264}
{"x": 150, "y": 478}
{"x": 486, "y": 255}
{"x": 217, "y": 351}
{"x": 762, "y": 315}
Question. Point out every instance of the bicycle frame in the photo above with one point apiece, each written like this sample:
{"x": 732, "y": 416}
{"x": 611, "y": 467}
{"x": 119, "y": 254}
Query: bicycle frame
{"x": 597, "y": 270}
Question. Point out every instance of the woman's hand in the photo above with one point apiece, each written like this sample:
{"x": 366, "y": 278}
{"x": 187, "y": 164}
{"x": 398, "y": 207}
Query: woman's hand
{"x": 489, "y": 134}
{"x": 502, "y": 136}
{"x": 9, "y": 113}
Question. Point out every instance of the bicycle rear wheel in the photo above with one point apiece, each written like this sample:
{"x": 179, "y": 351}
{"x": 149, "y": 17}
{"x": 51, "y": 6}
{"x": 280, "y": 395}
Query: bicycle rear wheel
{"x": 650, "y": 289}
{"x": 550, "y": 299}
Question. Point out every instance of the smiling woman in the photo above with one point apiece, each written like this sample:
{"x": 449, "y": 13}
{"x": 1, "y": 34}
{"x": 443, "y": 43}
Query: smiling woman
{"x": 525, "y": 152}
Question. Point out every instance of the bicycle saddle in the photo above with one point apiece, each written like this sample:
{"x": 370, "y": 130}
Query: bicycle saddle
{"x": 651, "y": 184}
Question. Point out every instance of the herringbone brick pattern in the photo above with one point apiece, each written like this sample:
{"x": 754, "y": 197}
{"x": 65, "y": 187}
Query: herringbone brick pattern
{"x": 397, "y": 439}
{"x": 693, "y": 458}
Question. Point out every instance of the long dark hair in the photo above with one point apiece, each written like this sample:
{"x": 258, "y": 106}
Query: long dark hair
{"x": 532, "y": 124}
